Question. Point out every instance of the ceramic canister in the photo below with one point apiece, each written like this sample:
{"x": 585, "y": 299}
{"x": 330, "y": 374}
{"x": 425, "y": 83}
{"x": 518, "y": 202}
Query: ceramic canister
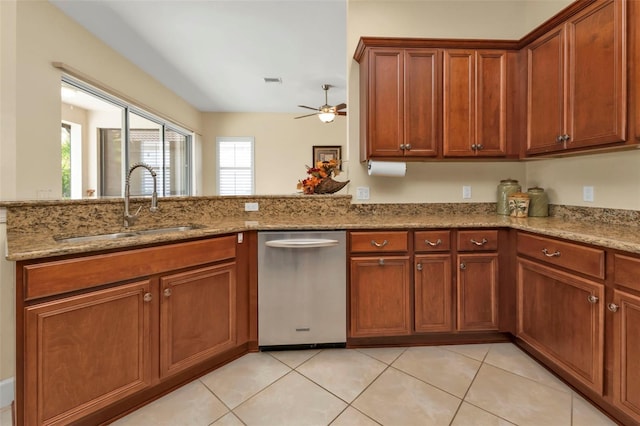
{"x": 539, "y": 202}
{"x": 519, "y": 204}
{"x": 506, "y": 188}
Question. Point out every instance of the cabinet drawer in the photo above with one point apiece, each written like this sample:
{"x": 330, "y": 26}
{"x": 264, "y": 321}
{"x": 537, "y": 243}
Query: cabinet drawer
{"x": 379, "y": 241}
{"x": 626, "y": 271}
{"x": 586, "y": 260}
{"x": 427, "y": 241}
{"x": 478, "y": 240}
{"x": 49, "y": 278}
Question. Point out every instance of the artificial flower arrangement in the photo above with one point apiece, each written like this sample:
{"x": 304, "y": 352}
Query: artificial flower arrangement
{"x": 319, "y": 180}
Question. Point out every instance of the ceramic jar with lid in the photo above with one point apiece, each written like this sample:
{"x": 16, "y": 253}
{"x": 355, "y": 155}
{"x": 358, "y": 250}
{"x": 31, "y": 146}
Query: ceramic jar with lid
{"x": 539, "y": 202}
{"x": 506, "y": 188}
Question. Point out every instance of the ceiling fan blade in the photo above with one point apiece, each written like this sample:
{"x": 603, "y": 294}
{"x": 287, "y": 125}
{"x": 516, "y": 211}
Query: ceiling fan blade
{"x": 308, "y": 115}
{"x": 308, "y": 107}
{"x": 340, "y": 106}
{"x": 341, "y": 112}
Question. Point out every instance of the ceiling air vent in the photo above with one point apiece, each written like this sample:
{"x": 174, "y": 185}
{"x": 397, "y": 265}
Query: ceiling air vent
{"x": 273, "y": 80}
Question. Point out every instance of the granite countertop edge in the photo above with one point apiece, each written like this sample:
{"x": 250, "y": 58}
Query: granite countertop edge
{"x": 30, "y": 245}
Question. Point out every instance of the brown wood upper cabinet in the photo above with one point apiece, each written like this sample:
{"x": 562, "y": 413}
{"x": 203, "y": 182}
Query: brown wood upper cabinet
{"x": 474, "y": 103}
{"x": 576, "y": 78}
{"x": 400, "y": 97}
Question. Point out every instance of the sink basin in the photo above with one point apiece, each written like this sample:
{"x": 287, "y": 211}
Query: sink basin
{"x": 117, "y": 235}
{"x": 99, "y": 237}
{"x": 169, "y": 229}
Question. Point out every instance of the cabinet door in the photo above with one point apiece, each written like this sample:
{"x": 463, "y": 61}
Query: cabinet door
{"x": 491, "y": 103}
{"x": 385, "y": 109}
{"x": 84, "y": 352}
{"x": 421, "y": 102}
{"x": 477, "y": 292}
{"x": 545, "y": 93}
{"x": 596, "y": 109}
{"x": 561, "y": 315}
{"x": 626, "y": 374}
{"x": 458, "y": 130}
{"x": 379, "y": 296}
{"x": 197, "y": 316}
{"x": 433, "y": 293}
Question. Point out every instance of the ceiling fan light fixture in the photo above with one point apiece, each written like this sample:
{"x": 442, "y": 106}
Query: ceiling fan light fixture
{"x": 327, "y": 117}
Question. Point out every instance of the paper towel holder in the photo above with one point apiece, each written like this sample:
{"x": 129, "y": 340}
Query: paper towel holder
{"x": 387, "y": 168}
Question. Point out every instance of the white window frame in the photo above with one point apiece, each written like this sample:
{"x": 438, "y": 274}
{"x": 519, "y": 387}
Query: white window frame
{"x": 249, "y": 139}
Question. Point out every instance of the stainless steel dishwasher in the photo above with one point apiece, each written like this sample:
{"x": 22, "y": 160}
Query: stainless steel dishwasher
{"x": 301, "y": 289}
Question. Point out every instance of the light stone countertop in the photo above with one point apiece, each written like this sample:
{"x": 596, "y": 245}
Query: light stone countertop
{"x": 25, "y": 245}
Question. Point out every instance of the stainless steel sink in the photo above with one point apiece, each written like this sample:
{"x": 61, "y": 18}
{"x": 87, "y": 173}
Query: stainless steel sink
{"x": 117, "y": 235}
{"x": 99, "y": 237}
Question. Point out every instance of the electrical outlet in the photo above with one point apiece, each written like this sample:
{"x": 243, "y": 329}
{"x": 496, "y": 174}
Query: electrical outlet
{"x": 362, "y": 193}
{"x": 587, "y": 194}
{"x": 251, "y": 207}
{"x": 466, "y": 192}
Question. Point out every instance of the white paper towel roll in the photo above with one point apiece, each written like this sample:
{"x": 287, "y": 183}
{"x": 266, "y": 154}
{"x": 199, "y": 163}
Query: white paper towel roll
{"x": 387, "y": 168}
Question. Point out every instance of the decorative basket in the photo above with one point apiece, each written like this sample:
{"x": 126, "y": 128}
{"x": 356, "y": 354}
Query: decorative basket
{"x": 329, "y": 186}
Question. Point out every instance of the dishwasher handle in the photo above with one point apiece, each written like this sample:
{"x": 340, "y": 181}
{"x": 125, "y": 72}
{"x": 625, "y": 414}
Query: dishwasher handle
{"x": 300, "y": 243}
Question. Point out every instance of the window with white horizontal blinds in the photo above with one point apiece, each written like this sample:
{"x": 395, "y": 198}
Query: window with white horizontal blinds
{"x": 235, "y": 165}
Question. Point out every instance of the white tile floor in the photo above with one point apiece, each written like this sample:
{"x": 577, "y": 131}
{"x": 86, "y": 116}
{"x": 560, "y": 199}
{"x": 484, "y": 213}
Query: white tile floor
{"x": 466, "y": 385}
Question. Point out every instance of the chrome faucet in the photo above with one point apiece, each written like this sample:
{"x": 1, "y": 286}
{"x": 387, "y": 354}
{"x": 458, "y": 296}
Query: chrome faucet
{"x": 130, "y": 219}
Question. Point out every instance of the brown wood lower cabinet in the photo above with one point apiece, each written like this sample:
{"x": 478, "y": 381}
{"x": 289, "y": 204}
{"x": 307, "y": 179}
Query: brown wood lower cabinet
{"x": 477, "y": 291}
{"x": 109, "y": 344}
{"x": 561, "y": 315}
{"x": 433, "y": 292}
{"x": 380, "y": 296}
{"x": 84, "y": 352}
{"x": 197, "y": 316}
{"x": 626, "y": 342}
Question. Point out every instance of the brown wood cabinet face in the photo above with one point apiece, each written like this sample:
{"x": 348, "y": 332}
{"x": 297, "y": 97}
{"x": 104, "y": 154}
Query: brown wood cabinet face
{"x": 379, "y": 241}
{"x": 197, "y": 316}
{"x": 577, "y": 91}
{"x": 433, "y": 293}
{"x": 478, "y": 240}
{"x": 385, "y": 109}
{"x": 85, "y": 352}
{"x": 626, "y": 374}
{"x": 477, "y": 292}
{"x": 474, "y": 103}
{"x": 431, "y": 241}
{"x": 545, "y": 93}
{"x": 562, "y": 316}
{"x": 422, "y": 107}
{"x": 380, "y": 296}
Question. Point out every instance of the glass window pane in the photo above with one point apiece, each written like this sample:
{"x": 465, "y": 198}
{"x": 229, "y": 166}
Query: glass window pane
{"x": 235, "y": 166}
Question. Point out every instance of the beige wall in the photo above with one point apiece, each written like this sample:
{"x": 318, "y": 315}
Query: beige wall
{"x": 283, "y": 146}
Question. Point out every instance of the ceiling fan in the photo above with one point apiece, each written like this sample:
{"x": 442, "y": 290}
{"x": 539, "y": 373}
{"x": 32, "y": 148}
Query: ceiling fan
{"x": 326, "y": 113}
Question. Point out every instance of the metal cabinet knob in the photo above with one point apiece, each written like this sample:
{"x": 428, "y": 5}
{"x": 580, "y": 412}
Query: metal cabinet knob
{"x": 419, "y": 266}
{"x": 560, "y": 139}
{"x": 147, "y": 297}
{"x": 463, "y": 266}
{"x": 402, "y": 146}
{"x": 480, "y": 147}
{"x": 408, "y": 147}
{"x": 381, "y": 262}
{"x": 592, "y": 299}
{"x": 613, "y": 307}
{"x": 167, "y": 292}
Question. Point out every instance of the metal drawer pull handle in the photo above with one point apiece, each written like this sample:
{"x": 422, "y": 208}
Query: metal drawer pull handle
{"x": 592, "y": 299}
{"x": 384, "y": 243}
{"x": 479, "y": 243}
{"x": 613, "y": 307}
{"x": 554, "y": 254}
{"x": 432, "y": 244}
{"x": 381, "y": 262}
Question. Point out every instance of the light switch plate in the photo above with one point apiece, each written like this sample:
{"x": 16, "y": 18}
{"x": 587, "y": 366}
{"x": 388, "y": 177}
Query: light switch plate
{"x": 587, "y": 194}
{"x": 251, "y": 207}
{"x": 466, "y": 192}
{"x": 362, "y": 193}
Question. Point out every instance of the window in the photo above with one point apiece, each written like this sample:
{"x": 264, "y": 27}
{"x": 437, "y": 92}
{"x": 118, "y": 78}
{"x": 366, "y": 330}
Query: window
{"x": 127, "y": 135}
{"x": 235, "y": 165}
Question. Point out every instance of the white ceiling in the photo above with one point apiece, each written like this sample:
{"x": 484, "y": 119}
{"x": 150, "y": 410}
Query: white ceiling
{"x": 216, "y": 53}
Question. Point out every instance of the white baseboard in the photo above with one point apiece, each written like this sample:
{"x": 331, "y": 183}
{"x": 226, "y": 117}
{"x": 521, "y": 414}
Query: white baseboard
{"x": 7, "y": 392}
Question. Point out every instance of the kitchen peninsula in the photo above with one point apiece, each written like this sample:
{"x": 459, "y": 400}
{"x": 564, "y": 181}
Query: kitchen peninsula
{"x": 525, "y": 265}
